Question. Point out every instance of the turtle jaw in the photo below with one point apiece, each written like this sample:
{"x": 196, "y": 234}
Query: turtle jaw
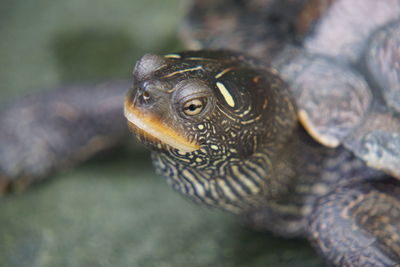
{"x": 152, "y": 128}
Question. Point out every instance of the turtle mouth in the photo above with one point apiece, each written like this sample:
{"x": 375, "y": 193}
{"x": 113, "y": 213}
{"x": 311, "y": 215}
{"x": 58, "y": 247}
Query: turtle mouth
{"x": 150, "y": 127}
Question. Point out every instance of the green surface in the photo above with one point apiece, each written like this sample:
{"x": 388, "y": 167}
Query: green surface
{"x": 112, "y": 211}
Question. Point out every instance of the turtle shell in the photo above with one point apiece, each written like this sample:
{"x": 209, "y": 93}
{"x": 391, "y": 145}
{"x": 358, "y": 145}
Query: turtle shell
{"x": 340, "y": 58}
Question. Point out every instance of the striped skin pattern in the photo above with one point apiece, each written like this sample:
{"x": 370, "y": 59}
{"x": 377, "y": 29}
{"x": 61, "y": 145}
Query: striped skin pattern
{"x": 255, "y": 160}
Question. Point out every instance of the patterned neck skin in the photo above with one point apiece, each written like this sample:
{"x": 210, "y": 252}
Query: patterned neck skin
{"x": 218, "y": 125}
{"x": 232, "y": 183}
{"x": 267, "y": 178}
{"x": 275, "y": 187}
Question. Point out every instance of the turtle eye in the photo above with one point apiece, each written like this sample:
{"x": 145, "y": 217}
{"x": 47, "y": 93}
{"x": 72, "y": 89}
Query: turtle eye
{"x": 193, "y": 106}
{"x": 146, "y": 96}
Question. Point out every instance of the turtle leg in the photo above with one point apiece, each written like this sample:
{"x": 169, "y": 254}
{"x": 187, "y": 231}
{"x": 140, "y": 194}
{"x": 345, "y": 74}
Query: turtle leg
{"x": 359, "y": 225}
{"x": 46, "y": 131}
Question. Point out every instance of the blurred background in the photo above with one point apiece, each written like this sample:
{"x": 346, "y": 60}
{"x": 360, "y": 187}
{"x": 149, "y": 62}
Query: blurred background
{"x": 113, "y": 210}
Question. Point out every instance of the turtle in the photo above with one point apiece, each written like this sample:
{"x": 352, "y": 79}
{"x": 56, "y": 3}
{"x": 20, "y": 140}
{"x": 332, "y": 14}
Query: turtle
{"x": 285, "y": 113}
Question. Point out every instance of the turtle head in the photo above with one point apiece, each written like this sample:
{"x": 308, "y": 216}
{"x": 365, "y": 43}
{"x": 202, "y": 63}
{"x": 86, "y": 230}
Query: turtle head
{"x": 161, "y": 109}
{"x": 206, "y": 110}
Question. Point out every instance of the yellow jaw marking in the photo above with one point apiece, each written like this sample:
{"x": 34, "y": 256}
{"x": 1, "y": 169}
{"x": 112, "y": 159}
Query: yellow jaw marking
{"x": 154, "y": 128}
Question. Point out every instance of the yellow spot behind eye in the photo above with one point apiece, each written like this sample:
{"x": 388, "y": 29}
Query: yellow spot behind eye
{"x": 226, "y": 94}
{"x": 200, "y": 126}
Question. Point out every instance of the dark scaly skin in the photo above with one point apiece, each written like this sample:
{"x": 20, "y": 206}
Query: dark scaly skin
{"x": 349, "y": 212}
{"x": 52, "y": 130}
